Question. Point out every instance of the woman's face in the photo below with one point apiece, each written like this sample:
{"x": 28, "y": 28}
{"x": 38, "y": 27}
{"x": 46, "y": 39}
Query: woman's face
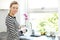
{"x": 14, "y": 9}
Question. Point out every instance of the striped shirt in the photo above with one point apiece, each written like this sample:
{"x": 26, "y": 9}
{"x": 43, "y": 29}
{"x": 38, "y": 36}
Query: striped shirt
{"x": 12, "y": 28}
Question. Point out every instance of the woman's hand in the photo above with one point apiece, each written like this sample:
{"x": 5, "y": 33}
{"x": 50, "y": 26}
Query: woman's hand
{"x": 23, "y": 28}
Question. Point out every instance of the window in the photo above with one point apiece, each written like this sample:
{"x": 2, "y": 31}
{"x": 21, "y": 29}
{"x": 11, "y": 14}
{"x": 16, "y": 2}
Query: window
{"x": 44, "y": 21}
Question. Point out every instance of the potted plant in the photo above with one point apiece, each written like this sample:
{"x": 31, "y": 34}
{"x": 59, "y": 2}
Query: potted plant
{"x": 42, "y": 28}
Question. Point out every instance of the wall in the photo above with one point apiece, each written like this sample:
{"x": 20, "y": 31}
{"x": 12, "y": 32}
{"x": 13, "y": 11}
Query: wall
{"x": 42, "y": 3}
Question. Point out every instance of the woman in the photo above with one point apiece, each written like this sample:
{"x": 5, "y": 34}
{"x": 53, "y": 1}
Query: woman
{"x": 11, "y": 23}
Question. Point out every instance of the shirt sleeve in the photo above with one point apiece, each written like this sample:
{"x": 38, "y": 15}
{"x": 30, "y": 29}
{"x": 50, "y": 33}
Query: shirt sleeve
{"x": 10, "y": 25}
{"x": 11, "y": 28}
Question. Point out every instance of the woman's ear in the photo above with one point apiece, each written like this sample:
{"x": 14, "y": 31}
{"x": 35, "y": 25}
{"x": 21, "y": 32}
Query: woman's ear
{"x": 9, "y": 9}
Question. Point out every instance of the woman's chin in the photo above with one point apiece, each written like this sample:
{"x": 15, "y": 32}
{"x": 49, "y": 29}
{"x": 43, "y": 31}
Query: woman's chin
{"x": 14, "y": 13}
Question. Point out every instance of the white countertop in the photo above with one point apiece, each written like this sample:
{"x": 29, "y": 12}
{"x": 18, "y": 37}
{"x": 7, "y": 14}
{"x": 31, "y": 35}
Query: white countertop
{"x": 39, "y": 38}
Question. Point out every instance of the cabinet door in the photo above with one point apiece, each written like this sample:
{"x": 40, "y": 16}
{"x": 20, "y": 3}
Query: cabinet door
{"x": 3, "y": 14}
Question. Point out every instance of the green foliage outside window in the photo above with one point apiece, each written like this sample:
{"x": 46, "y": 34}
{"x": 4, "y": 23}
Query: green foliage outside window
{"x": 50, "y": 21}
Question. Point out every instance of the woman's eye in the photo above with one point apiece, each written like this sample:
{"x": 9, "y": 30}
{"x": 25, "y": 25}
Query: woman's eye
{"x": 16, "y": 8}
{"x": 13, "y": 7}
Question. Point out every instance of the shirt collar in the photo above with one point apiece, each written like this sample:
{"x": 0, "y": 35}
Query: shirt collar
{"x": 12, "y": 16}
